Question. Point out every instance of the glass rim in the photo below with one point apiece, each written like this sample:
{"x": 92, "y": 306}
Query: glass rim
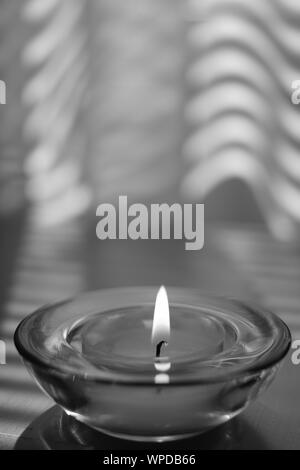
{"x": 273, "y": 356}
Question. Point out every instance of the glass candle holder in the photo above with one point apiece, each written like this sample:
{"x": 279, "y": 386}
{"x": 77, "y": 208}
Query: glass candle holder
{"x": 93, "y": 355}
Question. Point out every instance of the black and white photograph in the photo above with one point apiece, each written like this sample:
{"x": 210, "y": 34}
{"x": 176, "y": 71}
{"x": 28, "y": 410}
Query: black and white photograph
{"x": 149, "y": 229}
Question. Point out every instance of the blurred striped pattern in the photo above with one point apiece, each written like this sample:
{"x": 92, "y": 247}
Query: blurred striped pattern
{"x": 271, "y": 270}
{"x": 55, "y": 60}
{"x": 48, "y": 267}
{"x": 43, "y": 61}
{"x": 11, "y": 116}
{"x": 244, "y": 57}
{"x": 108, "y": 92}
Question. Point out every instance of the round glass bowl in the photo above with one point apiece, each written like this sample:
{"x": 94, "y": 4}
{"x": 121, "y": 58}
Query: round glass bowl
{"x": 93, "y": 355}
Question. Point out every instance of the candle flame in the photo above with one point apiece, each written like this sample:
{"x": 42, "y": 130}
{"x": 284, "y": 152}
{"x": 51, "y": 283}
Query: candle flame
{"x": 161, "y": 318}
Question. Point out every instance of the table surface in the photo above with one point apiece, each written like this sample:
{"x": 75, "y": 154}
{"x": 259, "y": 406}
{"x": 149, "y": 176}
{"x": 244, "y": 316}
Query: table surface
{"x": 42, "y": 265}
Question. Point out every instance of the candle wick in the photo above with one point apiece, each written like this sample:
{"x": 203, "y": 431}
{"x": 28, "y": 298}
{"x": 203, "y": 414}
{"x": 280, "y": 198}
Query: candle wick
{"x": 159, "y": 346}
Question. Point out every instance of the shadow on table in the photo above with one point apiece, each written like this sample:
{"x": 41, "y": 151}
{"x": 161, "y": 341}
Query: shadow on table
{"x": 54, "y": 430}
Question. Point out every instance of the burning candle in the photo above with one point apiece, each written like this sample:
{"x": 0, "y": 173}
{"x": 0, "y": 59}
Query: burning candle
{"x": 160, "y": 335}
{"x": 131, "y": 368}
{"x": 161, "y": 321}
{"x": 142, "y": 335}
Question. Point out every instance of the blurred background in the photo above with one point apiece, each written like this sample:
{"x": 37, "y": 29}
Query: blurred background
{"x": 158, "y": 100}
{"x": 162, "y": 101}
